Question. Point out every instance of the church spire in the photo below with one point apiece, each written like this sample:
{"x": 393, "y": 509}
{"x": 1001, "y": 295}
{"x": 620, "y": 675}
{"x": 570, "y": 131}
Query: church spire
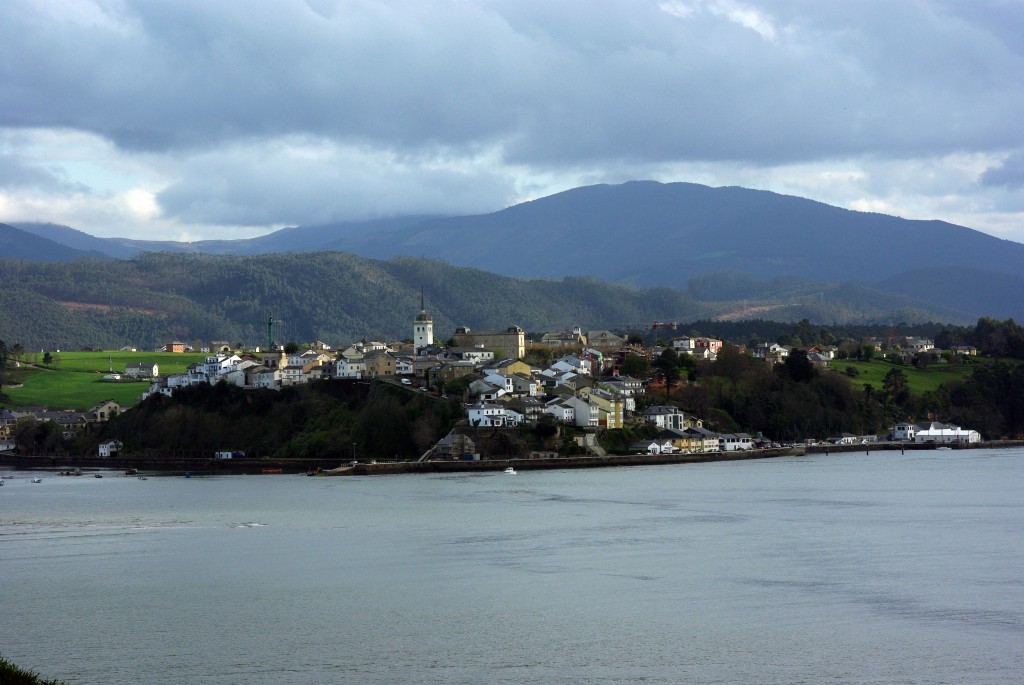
{"x": 422, "y": 327}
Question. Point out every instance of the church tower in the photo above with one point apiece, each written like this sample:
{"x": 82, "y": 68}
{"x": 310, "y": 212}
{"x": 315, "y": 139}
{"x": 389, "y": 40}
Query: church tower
{"x": 422, "y": 328}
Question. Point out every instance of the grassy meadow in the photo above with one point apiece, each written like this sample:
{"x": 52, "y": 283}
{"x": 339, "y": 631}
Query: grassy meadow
{"x": 74, "y": 380}
{"x": 918, "y": 380}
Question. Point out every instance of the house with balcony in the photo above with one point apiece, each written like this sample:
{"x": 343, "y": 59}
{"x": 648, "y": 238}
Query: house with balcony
{"x": 664, "y": 416}
{"x": 490, "y": 415}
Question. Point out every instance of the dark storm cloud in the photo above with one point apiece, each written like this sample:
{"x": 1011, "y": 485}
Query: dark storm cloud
{"x": 555, "y": 82}
{"x": 291, "y": 111}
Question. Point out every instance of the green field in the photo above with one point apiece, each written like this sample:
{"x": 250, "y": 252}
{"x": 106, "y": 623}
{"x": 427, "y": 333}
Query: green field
{"x": 103, "y": 362}
{"x": 918, "y": 380}
{"x": 74, "y": 379}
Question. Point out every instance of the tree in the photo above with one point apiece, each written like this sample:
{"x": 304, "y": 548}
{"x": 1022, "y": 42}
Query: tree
{"x": 667, "y": 365}
{"x": 799, "y": 367}
{"x": 636, "y": 366}
{"x": 895, "y": 386}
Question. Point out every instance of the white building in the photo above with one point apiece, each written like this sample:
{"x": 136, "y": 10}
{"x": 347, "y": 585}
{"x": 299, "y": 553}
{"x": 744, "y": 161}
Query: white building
{"x": 488, "y": 415}
{"x": 422, "y": 329}
{"x": 934, "y": 432}
{"x": 110, "y": 448}
{"x": 732, "y": 442}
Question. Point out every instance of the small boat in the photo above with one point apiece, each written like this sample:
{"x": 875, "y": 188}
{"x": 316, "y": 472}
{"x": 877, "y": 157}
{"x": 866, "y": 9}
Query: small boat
{"x": 99, "y": 475}
{"x": 143, "y": 478}
{"x": 510, "y": 470}
{"x": 37, "y": 480}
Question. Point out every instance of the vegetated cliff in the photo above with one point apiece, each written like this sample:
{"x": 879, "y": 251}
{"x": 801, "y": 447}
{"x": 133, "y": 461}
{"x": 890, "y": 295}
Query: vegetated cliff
{"x": 326, "y": 419}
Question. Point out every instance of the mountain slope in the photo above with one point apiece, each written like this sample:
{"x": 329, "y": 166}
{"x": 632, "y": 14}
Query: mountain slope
{"x": 18, "y": 244}
{"x": 158, "y": 297}
{"x": 651, "y": 233}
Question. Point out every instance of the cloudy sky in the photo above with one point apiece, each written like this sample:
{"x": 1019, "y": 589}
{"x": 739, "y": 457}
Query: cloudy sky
{"x": 189, "y": 119}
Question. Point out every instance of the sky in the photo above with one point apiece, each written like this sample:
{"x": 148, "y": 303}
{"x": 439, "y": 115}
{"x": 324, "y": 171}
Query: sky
{"x": 191, "y": 119}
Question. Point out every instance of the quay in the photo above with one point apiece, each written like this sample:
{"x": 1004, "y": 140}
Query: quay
{"x": 208, "y": 466}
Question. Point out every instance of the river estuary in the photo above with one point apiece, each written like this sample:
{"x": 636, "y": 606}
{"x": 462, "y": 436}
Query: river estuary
{"x": 849, "y": 568}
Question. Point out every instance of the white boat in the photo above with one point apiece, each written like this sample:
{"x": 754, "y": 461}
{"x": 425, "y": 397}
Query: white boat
{"x": 510, "y": 470}
{"x": 37, "y": 480}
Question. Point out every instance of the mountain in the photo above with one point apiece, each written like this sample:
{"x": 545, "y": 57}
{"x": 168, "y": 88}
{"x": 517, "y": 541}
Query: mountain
{"x": 650, "y": 233}
{"x": 18, "y": 244}
{"x": 154, "y": 298}
{"x": 646, "y": 234}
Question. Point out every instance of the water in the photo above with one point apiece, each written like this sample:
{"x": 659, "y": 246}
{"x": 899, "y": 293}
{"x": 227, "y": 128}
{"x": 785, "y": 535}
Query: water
{"x": 881, "y": 568}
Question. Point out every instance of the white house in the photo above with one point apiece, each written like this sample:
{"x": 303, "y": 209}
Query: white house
{"x": 142, "y": 370}
{"x": 488, "y": 415}
{"x": 732, "y": 442}
{"x": 587, "y": 415}
{"x": 664, "y": 416}
{"x": 500, "y": 381}
{"x": 110, "y": 448}
{"x": 571, "y": 364}
{"x": 698, "y": 346}
{"x": 354, "y": 367}
{"x": 262, "y": 377}
{"x": 524, "y": 385}
{"x": 561, "y": 411}
{"x": 935, "y": 432}
{"x": 646, "y": 446}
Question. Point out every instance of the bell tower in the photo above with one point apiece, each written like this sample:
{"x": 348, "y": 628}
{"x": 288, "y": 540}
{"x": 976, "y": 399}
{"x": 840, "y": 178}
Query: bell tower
{"x": 422, "y": 328}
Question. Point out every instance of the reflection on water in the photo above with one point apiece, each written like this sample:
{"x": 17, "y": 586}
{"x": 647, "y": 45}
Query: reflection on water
{"x": 860, "y": 568}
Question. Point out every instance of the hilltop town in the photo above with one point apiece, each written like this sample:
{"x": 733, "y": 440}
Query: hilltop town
{"x": 581, "y": 382}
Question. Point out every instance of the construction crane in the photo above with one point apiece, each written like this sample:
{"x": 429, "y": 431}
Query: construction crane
{"x": 270, "y": 332}
{"x": 269, "y": 323}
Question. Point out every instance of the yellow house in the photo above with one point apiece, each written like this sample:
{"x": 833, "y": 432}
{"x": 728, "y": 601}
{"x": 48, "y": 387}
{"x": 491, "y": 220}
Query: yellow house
{"x": 380, "y": 363}
{"x": 106, "y": 410}
{"x": 611, "y": 407}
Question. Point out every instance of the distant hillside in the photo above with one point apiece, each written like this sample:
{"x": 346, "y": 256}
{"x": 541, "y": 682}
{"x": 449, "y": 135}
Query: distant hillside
{"x": 158, "y": 297}
{"x": 18, "y": 244}
{"x": 652, "y": 234}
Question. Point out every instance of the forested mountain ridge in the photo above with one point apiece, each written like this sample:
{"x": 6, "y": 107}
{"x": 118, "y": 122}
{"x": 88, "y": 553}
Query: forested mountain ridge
{"x": 158, "y": 297}
{"x": 16, "y": 243}
{"x": 648, "y": 234}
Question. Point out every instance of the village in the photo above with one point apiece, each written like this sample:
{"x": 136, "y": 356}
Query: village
{"x": 581, "y": 388}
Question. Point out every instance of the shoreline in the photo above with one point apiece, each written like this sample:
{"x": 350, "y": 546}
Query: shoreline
{"x": 319, "y": 467}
